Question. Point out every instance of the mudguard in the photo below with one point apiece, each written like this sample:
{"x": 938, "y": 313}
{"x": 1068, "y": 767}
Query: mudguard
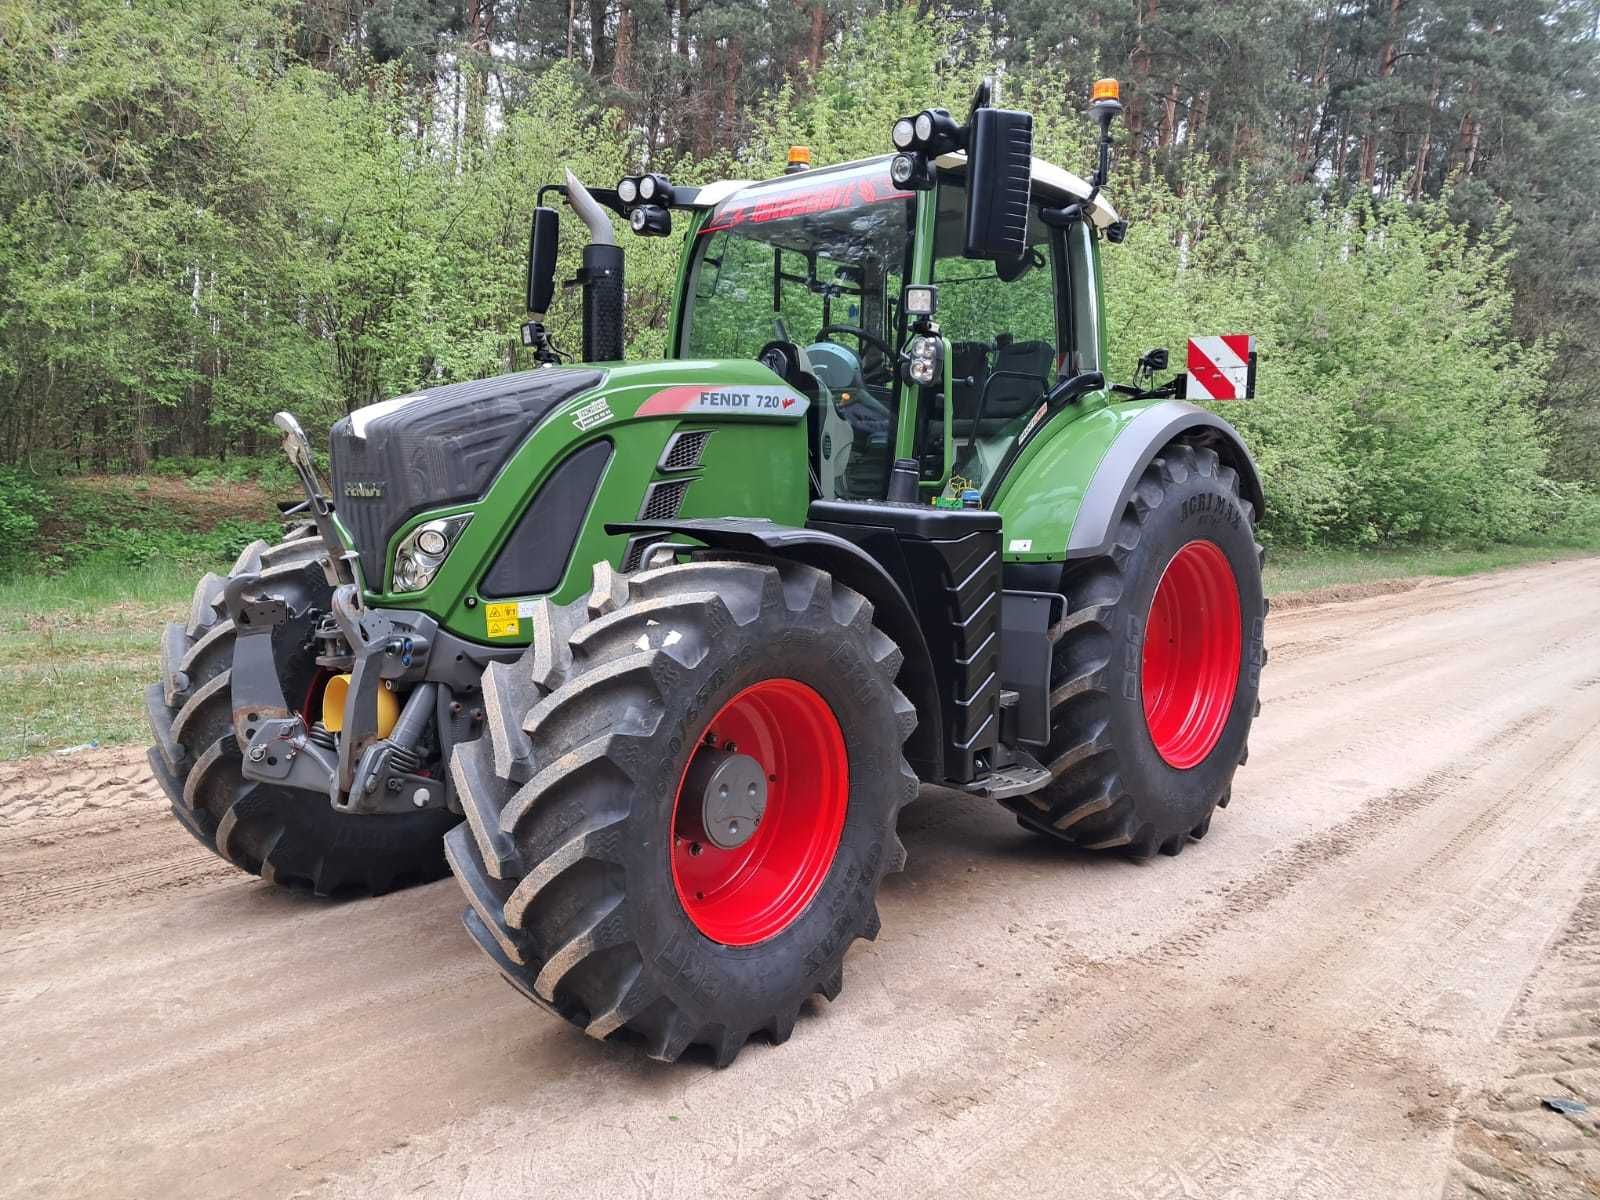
{"x": 852, "y": 566}
{"x": 1062, "y": 497}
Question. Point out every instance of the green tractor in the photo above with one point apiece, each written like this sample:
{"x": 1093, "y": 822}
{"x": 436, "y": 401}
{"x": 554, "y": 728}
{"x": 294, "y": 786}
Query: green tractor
{"x": 679, "y": 639}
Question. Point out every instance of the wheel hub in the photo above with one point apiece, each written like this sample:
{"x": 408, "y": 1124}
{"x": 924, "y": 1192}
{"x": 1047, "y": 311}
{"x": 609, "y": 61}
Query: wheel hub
{"x": 732, "y": 792}
{"x": 759, "y": 812}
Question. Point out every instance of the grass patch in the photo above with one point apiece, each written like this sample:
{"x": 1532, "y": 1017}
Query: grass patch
{"x": 1304, "y": 570}
{"x": 98, "y": 564}
{"x": 78, "y": 649}
{"x": 79, "y": 646}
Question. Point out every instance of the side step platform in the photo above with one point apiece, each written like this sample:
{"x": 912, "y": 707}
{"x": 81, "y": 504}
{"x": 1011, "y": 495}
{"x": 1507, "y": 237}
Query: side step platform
{"x": 1025, "y": 775}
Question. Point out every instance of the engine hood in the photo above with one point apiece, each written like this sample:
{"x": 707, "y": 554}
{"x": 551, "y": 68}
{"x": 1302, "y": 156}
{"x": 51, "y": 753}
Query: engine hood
{"x": 393, "y": 459}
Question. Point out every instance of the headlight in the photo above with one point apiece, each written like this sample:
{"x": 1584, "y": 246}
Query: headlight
{"x": 903, "y": 133}
{"x": 650, "y": 220}
{"x": 656, "y": 189}
{"x": 423, "y": 552}
{"x": 922, "y": 361}
{"x": 911, "y": 171}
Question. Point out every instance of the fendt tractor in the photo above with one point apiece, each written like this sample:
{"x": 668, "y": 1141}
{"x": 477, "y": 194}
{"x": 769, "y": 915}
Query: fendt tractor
{"x": 678, "y": 639}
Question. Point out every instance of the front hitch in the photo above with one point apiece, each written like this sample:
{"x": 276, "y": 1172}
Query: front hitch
{"x": 368, "y": 774}
{"x": 378, "y": 774}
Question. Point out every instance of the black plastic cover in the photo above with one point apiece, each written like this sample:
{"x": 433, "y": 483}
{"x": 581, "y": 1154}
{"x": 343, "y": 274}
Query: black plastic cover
{"x": 534, "y": 558}
{"x": 442, "y": 446}
{"x": 947, "y": 562}
{"x": 999, "y": 183}
{"x": 602, "y": 303}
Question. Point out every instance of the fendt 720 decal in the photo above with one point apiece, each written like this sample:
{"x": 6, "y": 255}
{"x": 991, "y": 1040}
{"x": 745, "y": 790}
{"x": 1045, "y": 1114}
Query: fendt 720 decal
{"x": 784, "y": 403}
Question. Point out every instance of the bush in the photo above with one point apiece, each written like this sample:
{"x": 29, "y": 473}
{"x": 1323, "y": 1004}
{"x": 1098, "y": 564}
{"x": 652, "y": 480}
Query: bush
{"x": 22, "y": 504}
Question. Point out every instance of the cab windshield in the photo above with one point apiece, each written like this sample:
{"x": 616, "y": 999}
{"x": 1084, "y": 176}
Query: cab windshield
{"x": 818, "y": 260}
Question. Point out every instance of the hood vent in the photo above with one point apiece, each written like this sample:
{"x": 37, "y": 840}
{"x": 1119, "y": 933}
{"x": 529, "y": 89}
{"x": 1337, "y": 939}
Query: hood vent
{"x": 663, "y": 500}
{"x": 683, "y": 450}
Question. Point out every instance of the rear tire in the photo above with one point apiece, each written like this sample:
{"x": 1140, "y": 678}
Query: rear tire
{"x": 286, "y": 836}
{"x": 1145, "y": 735}
{"x": 573, "y": 853}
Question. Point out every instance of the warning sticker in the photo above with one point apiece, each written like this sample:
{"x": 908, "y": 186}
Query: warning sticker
{"x": 596, "y": 412}
{"x": 501, "y": 620}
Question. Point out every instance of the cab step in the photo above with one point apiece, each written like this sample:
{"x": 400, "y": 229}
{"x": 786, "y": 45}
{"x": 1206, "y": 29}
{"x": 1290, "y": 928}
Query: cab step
{"x": 1018, "y": 779}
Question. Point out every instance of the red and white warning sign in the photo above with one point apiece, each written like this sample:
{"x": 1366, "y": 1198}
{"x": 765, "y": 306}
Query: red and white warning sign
{"x": 1219, "y": 367}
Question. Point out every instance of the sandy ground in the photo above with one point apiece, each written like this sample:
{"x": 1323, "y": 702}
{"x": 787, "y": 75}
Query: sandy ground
{"x": 1361, "y": 984}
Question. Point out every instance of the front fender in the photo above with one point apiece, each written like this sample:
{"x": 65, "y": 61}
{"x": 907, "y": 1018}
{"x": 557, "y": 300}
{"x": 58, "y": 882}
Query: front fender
{"x": 1062, "y": 498}
{"x": 852, "y": 566}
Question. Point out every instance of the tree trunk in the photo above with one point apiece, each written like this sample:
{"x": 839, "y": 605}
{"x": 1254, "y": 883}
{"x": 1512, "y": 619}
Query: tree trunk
{"x": 599, "y": 51}
{"x": 1386, "y": 61}
{"x": 622, "y": 63}
{"x": 1169, "y": 116}
{"x": 1420, "y": 171}
{"x": 480, "y": 43}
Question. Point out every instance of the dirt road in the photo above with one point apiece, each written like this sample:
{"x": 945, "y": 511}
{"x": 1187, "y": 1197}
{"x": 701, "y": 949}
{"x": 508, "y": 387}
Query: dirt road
{"x": 1359, "y": 985}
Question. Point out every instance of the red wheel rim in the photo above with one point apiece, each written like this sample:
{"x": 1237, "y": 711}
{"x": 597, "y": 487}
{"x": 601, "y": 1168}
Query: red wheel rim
{"x": 747, "y": 894}
{"x": 1191, "y": 654}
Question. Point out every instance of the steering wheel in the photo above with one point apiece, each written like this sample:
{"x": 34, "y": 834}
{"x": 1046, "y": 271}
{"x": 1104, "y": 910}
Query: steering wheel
{"x": 857, "y": 332}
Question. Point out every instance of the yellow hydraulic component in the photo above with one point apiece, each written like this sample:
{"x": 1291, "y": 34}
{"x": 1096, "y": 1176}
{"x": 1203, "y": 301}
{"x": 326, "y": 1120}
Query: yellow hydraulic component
{"x": 333, "y": 698}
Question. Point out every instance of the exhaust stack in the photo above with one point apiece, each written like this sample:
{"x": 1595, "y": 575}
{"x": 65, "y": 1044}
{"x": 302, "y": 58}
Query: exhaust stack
{"x": 601, "y": 277}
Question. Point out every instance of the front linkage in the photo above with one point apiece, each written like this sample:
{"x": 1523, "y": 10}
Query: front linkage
{"x": 368, "y": 768}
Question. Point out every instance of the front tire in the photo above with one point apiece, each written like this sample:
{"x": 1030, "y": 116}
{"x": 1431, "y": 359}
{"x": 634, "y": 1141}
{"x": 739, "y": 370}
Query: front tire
{"x": 1156, "y": 668}
{"x": 584, "y": 856}
{"x": 285, "y": 835}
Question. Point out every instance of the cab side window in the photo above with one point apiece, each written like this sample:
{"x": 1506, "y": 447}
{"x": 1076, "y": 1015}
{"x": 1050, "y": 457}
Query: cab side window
{"x": 1006, "y": 337}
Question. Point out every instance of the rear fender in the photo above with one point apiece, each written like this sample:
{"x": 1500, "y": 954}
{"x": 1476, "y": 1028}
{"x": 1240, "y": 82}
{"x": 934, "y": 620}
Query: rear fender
{"x": 1063, "y": 497}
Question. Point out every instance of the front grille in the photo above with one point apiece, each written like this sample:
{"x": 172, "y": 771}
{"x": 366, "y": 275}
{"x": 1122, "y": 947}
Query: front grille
{"x": 663, "y": 500}
{"x": 684, "y": 450}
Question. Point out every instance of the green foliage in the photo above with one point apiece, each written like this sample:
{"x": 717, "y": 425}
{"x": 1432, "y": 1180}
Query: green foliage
{"x": 211, "y": 210}
{"x": 111, "y": 525}
{"x": 22, "y": 505}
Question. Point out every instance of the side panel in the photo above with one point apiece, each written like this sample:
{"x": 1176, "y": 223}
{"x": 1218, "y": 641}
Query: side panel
{"x": 750, "y": 465}
{"x": 1062, "y": 497}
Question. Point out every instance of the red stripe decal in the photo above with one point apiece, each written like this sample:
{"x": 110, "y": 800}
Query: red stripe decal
{"x": 1205, "y": 373}
{"x": 671, "y": 400}
{"x": 1239, "y": 343}
{"x": 823, "y": 198}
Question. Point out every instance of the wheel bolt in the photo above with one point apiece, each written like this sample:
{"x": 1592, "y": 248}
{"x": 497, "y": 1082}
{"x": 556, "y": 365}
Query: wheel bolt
{"x": 694, "y": 849}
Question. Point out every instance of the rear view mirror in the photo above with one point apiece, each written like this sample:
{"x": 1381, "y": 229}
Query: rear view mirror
{"x": 999, "y": 183}
{"x": 543, "y": 242}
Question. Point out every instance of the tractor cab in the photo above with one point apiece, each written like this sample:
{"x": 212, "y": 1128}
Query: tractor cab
{"x": 808, "y": 274}
{"x": 931, "y": 323}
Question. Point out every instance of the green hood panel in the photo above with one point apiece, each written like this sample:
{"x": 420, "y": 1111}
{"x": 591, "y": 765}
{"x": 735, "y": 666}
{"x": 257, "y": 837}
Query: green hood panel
{"x": 753, "y": 462}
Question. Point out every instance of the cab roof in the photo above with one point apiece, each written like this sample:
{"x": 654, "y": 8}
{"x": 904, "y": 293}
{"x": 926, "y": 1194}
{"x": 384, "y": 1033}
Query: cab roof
{"x": 1048, "y": 179}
